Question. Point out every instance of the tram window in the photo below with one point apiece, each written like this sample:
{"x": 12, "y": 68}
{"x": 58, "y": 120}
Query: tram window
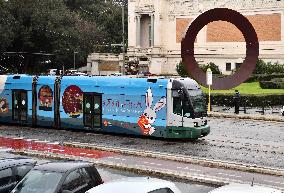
{"x": 177, "y": 106}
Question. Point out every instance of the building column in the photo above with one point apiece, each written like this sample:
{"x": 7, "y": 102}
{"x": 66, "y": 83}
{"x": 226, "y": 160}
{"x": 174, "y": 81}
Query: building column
{"x": 138, "y": 30}
{"x": 152, "y": 30}
{"x": 95, "y": 68}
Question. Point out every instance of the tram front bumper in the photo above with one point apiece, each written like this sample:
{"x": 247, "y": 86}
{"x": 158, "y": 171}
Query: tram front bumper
{"x": 175, "y": 132}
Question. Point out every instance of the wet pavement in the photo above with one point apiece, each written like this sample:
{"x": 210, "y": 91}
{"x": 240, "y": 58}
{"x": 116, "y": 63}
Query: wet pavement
{"x": 243, "y": 141}
{"x": 113, "y": 174}
{"x": 48, "y": 147}
{"x": 145, "y": 164}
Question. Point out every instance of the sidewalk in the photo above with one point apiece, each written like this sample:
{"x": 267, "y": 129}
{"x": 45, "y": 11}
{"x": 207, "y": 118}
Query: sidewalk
{"x": 254, "y": 113}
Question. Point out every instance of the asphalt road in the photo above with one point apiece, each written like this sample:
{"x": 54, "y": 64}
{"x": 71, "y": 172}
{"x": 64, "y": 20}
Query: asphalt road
{"x": 245, "y": 141}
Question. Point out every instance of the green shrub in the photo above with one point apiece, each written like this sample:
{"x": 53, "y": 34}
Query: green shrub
{"x": 264, "y": 77}
{"x": 181, "y": 69}
{"x": 276, "y": 83}
{"x": 268, "y": 68}
{"x": 250, "y": 100}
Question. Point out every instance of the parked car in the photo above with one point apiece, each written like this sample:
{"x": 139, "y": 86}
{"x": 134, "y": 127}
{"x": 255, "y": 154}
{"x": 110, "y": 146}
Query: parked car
{"x": 244, "y": 188}
{"x": 137, "y": 185}
{"x": 117, "y": 74}
{"x": 52, "y": 72}
{"x": 71, "y": 72}
{"x": 60, "y": 177}
{"x": 80, "y": 74}
{"x": 12, "y": 170}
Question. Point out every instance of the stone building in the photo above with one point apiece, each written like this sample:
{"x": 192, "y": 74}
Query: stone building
{"x": 156, "y": 28}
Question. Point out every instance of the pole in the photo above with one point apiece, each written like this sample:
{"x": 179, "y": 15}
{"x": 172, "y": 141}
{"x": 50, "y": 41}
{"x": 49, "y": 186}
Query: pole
{"x": 209, "y": 98}
{"x": 74, "y": 64}
{"x": 209, "y": 83}
{"x": 123, "y": 41}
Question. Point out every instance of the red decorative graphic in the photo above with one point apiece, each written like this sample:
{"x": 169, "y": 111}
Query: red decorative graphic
{"x": 4, "y": 105}
{"x": 45, "y": 96}
{"x": 105, "y": 123}
{"x": 72, "y": 101}
{"x": 143, "y": 123}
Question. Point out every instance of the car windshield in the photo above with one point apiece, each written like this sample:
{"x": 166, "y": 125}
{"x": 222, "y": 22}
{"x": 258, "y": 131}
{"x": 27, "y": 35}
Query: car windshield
{"x": 38, "y": 181}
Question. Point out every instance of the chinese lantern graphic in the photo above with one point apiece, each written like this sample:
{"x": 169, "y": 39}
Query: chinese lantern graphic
{"x": 72, "y": 101}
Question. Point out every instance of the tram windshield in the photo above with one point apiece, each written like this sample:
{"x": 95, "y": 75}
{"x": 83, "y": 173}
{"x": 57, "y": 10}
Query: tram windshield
{"x": 198, "y": 103}
{"x": 192, "y": 105}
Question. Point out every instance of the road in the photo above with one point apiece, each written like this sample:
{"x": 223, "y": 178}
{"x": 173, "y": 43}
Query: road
{"x": 245, "y": 141}
{"x": 113, "y": 174}
{"x": 194, "y": 172}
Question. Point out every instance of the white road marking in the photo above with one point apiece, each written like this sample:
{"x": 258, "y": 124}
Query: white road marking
{"x": 5, "y": 149}
{"x": 273, "y": 182}
{"x": 230, "y": 175}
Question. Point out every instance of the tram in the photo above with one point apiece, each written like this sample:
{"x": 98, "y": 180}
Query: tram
{"x": 164, "y": 108}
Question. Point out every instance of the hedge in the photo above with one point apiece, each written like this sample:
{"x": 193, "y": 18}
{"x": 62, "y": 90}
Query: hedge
{"x": 250, "y": 100}
{"x": 264, "y": 77}
{"x": 275, "y": 83}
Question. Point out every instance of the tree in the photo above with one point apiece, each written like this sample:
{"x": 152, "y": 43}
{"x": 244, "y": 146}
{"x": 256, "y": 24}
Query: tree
{"x": 268, "y": 68}
{"x": 48, "y": 29}
{"x": 181, "y": 70}
{"x": 6, "y": 27}
{"x": 36, "y": 31}
{"x": 107, "y": 15}
{"x": 214, "y": 68}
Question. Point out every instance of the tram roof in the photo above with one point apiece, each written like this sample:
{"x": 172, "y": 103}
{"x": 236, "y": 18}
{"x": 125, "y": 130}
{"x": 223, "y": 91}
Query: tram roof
{"x": 114, "y": 81}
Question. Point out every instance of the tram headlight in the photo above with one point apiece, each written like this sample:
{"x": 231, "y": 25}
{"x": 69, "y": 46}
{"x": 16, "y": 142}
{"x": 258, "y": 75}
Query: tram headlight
{"x": 195, "y": 124}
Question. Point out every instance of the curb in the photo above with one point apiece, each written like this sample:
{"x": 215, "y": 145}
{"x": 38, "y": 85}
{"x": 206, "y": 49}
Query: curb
{"x": 197, "y": 178}
{"x": 182, "y": 158}
{"x": 251, "y": 117}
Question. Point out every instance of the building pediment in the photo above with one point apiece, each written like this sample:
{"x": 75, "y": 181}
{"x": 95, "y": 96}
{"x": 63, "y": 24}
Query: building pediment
{"x": 144, "y": 6}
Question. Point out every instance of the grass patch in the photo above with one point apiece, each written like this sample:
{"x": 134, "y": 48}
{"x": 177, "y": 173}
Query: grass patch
{"x": 252, "y": 88}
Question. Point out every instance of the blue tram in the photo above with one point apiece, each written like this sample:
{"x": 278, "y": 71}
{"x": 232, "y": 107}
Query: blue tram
{"x": 167, "y": 108}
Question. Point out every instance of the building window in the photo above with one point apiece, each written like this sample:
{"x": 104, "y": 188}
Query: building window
{"x": 228, "y": 67}
{"x": 238, "y": 65}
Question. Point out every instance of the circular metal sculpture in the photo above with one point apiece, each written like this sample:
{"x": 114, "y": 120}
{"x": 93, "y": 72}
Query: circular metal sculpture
{"x": 252, "y": 47}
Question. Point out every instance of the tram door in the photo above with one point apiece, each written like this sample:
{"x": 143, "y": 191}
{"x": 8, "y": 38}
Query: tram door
{"x": 92, "y": 110}
{"x": 20, "y": 106}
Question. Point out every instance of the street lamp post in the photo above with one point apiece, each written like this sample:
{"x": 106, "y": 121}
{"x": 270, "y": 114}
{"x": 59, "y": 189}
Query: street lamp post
{"x": 74, "y": 64}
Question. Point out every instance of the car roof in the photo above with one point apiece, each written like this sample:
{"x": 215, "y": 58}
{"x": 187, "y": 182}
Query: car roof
{"x": 127, "y": 185}
{"x": 244, "y": 188}
{"x": 15, "y": 161}
{"x": 62, "y": 167}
